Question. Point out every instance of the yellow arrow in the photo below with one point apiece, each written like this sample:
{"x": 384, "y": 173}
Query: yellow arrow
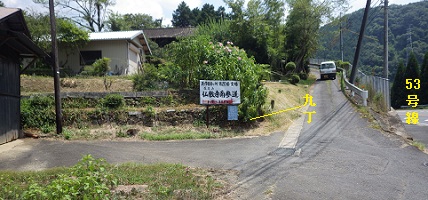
{"x": 275, "y": 113}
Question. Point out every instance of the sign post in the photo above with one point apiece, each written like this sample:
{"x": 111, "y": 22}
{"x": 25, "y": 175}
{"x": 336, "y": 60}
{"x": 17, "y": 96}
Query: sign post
{"x": 225, "y": 92}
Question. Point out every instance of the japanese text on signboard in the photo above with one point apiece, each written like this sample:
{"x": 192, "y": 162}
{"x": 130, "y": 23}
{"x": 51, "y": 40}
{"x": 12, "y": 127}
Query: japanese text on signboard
{"x": 412, "y": 100}
{"x": 219, "y": 92}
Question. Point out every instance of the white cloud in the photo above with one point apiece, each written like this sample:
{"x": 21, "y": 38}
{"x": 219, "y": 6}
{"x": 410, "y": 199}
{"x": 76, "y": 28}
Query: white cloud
{"x": 356, "y": 5}
{"x": 164, "y": 8}
{"x": 156, "y": 8}
{"x": 24, "y": 5}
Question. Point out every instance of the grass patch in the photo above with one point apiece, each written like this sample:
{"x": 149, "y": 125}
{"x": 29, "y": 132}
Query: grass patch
{"x": 284, "y": 96}
{"x": 173, "y": 133}
{"x": 419, "y": 145}
{"x": 163, "y": 181}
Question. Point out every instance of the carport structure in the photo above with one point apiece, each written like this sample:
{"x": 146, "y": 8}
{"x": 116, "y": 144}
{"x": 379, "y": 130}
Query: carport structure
{"x": 16, "y": 46}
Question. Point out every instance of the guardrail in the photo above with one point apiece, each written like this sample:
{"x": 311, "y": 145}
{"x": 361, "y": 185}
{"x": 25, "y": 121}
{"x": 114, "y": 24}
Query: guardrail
{"x": 354, "y": 89}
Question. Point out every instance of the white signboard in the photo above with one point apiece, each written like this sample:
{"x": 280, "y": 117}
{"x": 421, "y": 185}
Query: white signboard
{"x": 219, "y": 92}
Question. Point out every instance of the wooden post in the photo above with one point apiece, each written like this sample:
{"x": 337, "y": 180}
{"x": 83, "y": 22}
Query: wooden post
{"x": 55, "y": 68}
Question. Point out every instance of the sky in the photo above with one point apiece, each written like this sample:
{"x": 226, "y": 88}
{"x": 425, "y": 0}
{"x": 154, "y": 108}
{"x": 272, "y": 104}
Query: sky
{"x": 164, "y": 8}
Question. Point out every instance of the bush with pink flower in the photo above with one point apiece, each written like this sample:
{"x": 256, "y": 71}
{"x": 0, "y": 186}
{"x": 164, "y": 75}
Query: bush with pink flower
{"x": 201, "y": 59}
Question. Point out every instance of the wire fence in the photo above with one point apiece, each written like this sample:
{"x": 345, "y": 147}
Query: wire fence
{"x": 378, "y": 85}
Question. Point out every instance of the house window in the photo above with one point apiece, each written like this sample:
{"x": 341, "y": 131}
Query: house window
{"x": 89, "y": 57}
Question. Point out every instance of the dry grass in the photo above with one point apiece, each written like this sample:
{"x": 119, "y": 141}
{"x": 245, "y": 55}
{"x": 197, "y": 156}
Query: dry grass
{"x": 285, "y": 96}
{"x": 41, "y": 84}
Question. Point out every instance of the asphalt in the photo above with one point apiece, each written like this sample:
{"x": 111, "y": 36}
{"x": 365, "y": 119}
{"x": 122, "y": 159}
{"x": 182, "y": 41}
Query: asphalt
{"x": 337, "y": 156}
{"x": 418, "y": 131}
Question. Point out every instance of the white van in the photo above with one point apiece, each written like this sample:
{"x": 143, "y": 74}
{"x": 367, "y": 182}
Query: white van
{"x": 328, "y": 70}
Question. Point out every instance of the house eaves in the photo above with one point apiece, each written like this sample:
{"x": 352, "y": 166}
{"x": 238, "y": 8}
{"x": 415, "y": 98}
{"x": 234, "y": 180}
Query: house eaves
{"x": 130, "y": 36}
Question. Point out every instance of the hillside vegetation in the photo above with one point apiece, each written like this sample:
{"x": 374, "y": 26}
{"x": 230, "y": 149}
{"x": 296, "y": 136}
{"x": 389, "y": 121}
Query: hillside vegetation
{"x": 407, "y": 32}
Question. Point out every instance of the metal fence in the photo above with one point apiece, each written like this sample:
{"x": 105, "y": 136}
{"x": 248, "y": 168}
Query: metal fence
{"x": 378, "y": 85}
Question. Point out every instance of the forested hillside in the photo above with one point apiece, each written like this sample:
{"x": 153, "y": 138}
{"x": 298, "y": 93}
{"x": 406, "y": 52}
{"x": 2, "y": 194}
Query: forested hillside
{"x": 408, "y": 28}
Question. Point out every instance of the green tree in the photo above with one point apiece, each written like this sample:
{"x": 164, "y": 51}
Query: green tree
{"x": 274, "y": 14}
{"x": 301, "y": 31}
{"x": 127, "y": 22}
{"x": 39, "y": 26}
{"x": 70, "y": 36}
{"x": 90, "y": 14}
{"x": 208, "y": 13}
{"x": 412, "y": 72}
{"x": 182, "y": 16}
{"x": 302, "y": 27}
{"x": 249, "y": 29}
{"x": 424, "y": 80}
{"x": 1, "y": 4}
{"x": 398, "y": 93}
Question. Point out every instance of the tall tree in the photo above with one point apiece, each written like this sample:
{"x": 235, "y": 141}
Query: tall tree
{"x": 182, "y": 16}
{"x": 424, "y": 80}
{"x": 1, "y": 4}
{"x": 302, "y": 27}
{"x": 274, "y": 14}
{"x": 90, "y": 14}
{"x": 301, "y": 31}
{"x": 412, "y": 72}
{"x": 208, "y": 13}
{"x": 196, "y": 17}
{"x": 398, "y": 94}
{"x": 221, "y": 13}
{"x": 126, "y": 22}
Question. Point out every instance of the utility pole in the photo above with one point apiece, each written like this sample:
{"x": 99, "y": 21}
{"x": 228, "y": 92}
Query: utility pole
{"x": 341, "y": 37}
{"x": 360, "y": 39}
{"x": 55, "y": 68}
{"x": 385, "y": 45}
{"x": 387, "y": 97}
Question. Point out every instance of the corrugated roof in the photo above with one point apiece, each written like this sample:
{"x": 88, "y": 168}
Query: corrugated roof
{"x": 117, "y": 35}
{"x": 123, "y": 35}
{"x": 168, "y": 32}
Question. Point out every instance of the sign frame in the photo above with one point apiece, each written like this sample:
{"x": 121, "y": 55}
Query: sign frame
{"x": 219, "y": 92}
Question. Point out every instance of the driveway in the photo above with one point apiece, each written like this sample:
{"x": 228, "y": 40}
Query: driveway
{"x": 338, "y": 157}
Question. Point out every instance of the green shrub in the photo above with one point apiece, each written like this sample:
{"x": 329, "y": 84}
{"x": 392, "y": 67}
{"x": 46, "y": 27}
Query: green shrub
{"x": 89, "y": 179}
{"x": 303, "y": 76}
{"x": 290, "y": 67}
{"x": 294, "y": 79}
{"x": 113, "y": 101}
{"x": 167, "y": 101}
{"x": 148, "y": 101}
{"x": 200, "y": 59}
{"x": 101, "y": 66}
{"x": 147, "y": 80}
{"x": 38, "y": 112}
{"x": 150, "y": 111}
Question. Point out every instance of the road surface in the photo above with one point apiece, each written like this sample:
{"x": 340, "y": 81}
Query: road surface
{"x": 418, "y": 131}
{"x": 338, "y": 157}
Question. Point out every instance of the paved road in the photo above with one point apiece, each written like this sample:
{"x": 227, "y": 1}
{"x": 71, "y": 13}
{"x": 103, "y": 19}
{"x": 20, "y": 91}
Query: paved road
{"x": 420, "y": 130}
{"x": 340, "y": 157}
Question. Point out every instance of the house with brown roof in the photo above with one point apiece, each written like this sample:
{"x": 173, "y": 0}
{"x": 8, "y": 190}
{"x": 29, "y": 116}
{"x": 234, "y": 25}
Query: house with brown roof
{"x": 126, "y": 49}
{"x": 164, "y": 36}
{"x": 15, "y": 45}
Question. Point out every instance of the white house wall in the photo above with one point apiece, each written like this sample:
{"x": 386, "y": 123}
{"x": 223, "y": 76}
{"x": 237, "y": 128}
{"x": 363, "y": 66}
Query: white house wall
{"x": 134, "y": 59}
{"x": 116, "y": 50}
